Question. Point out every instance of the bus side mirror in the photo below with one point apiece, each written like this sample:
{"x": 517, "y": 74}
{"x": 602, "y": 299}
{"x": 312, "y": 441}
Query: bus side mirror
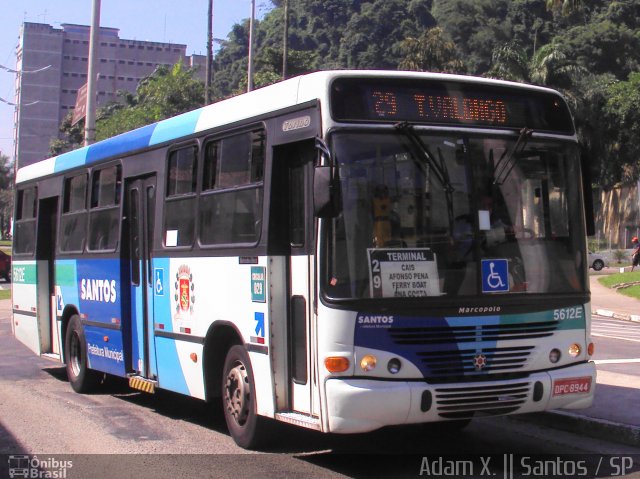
{"x": 326, "y": 192}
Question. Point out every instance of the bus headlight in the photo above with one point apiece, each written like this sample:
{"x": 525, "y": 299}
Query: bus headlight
{"x": 394, "y": 365}
{"x": 555, "y": 355}
{"x": 575, "y": 350}
{"x": 368, "y": 362}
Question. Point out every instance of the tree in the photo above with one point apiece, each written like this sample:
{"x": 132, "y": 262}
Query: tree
{"x": 623, "y": 108}
{"x": 476, "y": 28}
{"x": 163, "y": 94}
{"x": 72, "y": 136}
{"x": 374, "y": 36}
{"x": 431, "y": 51}
{"x": 509, "y": 62}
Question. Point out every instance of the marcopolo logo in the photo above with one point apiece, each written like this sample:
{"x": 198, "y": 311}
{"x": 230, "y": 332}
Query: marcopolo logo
{"x": 38, "y": 468}
{"x": 102, "y": 290}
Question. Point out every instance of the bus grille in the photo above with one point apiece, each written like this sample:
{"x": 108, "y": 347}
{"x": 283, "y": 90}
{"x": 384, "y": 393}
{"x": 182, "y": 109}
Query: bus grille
{"x": 469, "y": 361}
{"x": 465, "y": 334}
{"x": 490, "y": 400}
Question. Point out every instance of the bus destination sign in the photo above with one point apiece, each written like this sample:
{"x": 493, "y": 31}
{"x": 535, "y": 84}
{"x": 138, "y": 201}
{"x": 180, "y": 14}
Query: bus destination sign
{"x": 440, "y": 108}
{"x": 440, "y": 102}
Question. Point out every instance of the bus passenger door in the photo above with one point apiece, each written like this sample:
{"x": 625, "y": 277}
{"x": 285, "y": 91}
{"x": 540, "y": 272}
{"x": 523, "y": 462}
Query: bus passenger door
{"x": 140, "y": 210}
{"x": 45, "y": 258}
{"x": 291, "y": 186}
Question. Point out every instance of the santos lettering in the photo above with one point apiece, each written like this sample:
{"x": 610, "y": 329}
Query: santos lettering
{"x": 103, "y": 290}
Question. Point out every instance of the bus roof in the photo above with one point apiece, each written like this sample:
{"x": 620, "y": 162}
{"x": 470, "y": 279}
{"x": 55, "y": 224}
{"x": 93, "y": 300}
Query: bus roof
{"x": 274, "y": 97}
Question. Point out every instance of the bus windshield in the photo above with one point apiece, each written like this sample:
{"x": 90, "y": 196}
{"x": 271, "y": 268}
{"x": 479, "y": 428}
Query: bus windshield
{"x": 425, "y": 214}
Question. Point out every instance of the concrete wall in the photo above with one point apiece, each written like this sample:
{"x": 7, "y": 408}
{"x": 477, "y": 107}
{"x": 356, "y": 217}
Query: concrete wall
{"x": 618, "y": 217}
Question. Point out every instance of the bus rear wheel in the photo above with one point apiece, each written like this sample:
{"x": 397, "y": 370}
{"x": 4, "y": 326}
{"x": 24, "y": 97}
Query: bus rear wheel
{"x": 239, "y": 400}
{"x": 82, "y": 378}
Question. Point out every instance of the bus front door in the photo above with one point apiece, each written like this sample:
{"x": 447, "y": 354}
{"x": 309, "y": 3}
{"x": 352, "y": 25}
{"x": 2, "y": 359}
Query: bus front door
{"x": 140, "y": 210}
{"x": 291, "y": 201}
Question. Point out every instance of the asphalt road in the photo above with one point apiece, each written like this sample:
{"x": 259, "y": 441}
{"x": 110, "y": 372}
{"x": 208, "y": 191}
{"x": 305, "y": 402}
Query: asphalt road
{"x": 121, "y": 433}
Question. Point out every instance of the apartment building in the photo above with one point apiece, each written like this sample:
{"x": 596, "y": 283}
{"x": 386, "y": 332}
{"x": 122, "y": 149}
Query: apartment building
{"x": 59, "y": 57}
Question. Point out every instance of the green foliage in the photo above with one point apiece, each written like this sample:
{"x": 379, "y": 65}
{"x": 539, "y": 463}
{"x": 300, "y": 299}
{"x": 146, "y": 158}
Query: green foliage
{"x": 430, "y": 52}
{"x": 165, "y": 93}
{"x": 623, "y": 110}
{"x": 72, "y": 136}
{"x": 629, "y": 277}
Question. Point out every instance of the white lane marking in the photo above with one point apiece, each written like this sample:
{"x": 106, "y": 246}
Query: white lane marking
{"x": 616, "y": 361}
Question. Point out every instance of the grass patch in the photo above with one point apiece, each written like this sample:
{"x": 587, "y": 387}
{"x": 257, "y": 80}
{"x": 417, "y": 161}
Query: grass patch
{"x": 613, "y": 279}
{"x": 5, "y": 294}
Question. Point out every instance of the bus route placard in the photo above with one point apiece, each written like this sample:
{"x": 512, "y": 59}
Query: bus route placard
{"x": 403, "y": 273}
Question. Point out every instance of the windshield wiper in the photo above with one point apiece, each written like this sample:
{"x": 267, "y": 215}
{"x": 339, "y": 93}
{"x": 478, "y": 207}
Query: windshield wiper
{"x": 440, "y": 170}
{"x": 506, "y": 163}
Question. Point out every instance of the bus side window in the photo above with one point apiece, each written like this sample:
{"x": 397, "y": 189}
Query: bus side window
{"x": 180, "y": 207}
{"x": 104, "y": 215}
{"x": 25, "y": 227}
{"x": 231, "y": 201}
{"x": 73, "y": 222}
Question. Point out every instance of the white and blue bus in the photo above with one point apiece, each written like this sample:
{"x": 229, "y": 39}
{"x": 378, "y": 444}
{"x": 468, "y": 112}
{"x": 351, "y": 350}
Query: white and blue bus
{"x": 342, "y": 251}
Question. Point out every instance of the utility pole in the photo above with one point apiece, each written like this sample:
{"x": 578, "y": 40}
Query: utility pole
{"x": 90, "y": 122}
{"x": 250, "y": 67}
{"x": 209, "y": 67}
{"x": 285, "y": 45}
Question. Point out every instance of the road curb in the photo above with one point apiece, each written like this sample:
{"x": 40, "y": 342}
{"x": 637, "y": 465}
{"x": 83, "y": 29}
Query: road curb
{"x": 588, "y": 426}
{"x": 612, "y": 314}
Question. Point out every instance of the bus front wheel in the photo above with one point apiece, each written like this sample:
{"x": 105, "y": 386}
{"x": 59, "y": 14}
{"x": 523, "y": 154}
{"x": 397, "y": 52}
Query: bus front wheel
{"x": 239, "y": 400}
{"x": 82, "y": 378}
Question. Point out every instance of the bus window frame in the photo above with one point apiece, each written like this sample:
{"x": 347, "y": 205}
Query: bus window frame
{"x": 85, "y": 212}
{"x": 92, "y": 210}
{"x": 22, "y": 220}
{"x": 194, "y": 195}
{"x": 257, "y": 185}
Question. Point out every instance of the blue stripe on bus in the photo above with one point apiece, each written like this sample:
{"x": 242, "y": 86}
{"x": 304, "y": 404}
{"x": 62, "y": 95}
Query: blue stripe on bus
{"x": 172, "y": 128}
{"x": 71, "y": 159}
{"x": 127, "y": 142}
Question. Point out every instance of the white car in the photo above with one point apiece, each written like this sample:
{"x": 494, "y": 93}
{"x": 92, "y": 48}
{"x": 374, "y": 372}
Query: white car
{"x": 597, "y": 261}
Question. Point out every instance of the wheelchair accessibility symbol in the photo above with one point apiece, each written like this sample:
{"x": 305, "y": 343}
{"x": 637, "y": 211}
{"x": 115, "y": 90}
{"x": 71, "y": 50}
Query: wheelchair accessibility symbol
{"x": 158, "y": 284}
{"x": 495, "y": 275}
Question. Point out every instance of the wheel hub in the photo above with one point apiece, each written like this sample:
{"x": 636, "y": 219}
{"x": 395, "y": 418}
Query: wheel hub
{"x": 238, "y": 393}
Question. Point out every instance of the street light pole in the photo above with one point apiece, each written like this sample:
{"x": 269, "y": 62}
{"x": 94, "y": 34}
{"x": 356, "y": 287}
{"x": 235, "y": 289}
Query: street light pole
{"x": 90, "y": 121}
{"x": 209, "y": 66}
{"x": 285, "y": 44}
{"x": 250, "y": 67}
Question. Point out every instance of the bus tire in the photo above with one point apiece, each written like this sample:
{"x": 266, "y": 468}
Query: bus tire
{"x": 82, "y": 379}
{"x": 239, "y": 400}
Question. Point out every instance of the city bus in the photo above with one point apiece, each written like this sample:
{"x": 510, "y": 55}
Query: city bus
{"x": 342, "y": 251}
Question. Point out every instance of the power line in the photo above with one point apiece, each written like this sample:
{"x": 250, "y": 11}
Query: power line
{"x": 10, "y": 70}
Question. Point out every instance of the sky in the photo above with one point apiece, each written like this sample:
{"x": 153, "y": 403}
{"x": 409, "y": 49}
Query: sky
{"x": 182, "y": 21}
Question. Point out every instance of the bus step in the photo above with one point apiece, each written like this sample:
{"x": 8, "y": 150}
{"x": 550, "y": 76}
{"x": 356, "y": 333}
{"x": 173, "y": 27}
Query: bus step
{"x": 143, "y": 384}
{"x": 298, "y": 419}
{"x": 51, "y": 356}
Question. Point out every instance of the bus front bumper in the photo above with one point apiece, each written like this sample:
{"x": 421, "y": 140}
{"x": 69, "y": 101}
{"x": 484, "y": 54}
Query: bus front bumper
{"x": 362, "y": 405}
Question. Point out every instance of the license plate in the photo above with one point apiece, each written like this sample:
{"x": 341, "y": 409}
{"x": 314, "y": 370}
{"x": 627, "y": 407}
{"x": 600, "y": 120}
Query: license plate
{"x": 571, "y": 386}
